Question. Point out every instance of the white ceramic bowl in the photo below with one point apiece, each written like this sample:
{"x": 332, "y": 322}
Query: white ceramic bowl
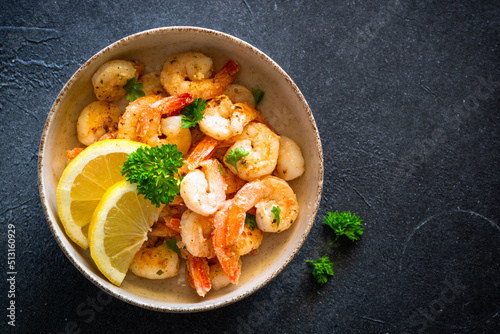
{"x": 283, "y": 106}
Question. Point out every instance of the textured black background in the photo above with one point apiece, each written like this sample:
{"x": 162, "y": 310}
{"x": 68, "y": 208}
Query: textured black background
{"x": 406, "y": 98}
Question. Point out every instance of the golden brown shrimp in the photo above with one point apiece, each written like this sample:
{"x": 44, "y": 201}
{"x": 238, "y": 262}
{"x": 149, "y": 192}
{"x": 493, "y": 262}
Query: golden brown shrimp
{"x": 190, "y": 72}
{"x": 223, "y": 119}
{"x": 155, "y": 262}
{"x": 239, "y": 94}
{"x": 110, "y": 77}
{"x": 196, "y": 231}
{"x": 151, "y": 83}
{"x": 204, "y": 191}
{"x": 262, "y": 145}
{"x": 127, "y": 127}
{"x": 263, "y": 194}
{"x": 95, "y": 120}
{"x": 149, "y": 125}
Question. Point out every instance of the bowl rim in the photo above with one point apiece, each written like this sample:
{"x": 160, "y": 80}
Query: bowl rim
{"x": 189, "y": 308}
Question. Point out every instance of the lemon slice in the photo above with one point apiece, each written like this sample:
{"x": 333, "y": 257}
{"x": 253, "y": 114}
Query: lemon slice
{"x": 118, "y": 229}
{"x": 84, "y": 182}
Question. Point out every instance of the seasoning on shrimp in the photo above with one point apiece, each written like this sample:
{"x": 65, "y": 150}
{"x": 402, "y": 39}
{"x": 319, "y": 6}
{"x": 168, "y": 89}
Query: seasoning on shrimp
{"x": 211, "y": 155}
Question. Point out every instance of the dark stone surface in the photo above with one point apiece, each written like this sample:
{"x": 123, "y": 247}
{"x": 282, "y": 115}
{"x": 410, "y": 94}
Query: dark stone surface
{"x": 406, "y": 98}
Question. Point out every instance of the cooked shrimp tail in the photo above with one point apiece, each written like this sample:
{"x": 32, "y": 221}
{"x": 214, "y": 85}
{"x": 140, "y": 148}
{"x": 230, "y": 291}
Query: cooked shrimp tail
{"x": 198, "y": 273}
{"x": 203, "y": 151}
{"x": 148, "y": 128}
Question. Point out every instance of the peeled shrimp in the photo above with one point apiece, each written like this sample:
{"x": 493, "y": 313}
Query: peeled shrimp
{"x": 239, "y": 94}
{"x": 218, "y": 277}
{"x": 151, "y": 84}
{"x": 95, "y": 120}
{"x": 155, "y": 262}
{"x": 149, "y": 125}
{"x": 190, "y": 72}
{"x": 196, "y": 231}
{"x": 110, "y": 77}
{"x": 262, "y": 145}
{"x": 175, "y": 134}
{"x": 223, "y": 119}
{"x": 127, "y": 127}
{"x": 263, "y": 194}
{"x": 249, "y": 240}
{"x": 204, "y": 191}
{"x": 290, "y": 160}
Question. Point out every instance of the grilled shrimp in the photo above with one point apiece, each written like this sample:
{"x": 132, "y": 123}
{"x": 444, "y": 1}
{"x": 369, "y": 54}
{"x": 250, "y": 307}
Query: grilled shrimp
{"x": 151, "y": 83}
{"x": 196, "y": 231}
{"x": 290, "y": 160}
{"x": 95, "y": 120}
{"x": 110, "y": 77}
{"x": 190, "y": 72}
{"x": 239, "y": 94}
{"x": 155, "y": 262}
{"x": 127, "y": 127}
{"x": 204, "y": 191}
{"x": 149, "y": 125}
{"x": 223, "y": 119}
{"x": 263, "y": 194}
{"x": 262, "y": 145}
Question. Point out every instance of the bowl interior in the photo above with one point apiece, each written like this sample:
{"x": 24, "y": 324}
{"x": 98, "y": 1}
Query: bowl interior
{"x": 283, "y": 107}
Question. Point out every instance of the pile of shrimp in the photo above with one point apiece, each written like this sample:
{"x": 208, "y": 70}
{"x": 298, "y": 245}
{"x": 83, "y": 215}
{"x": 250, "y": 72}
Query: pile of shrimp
{"x": 207, "y": 219}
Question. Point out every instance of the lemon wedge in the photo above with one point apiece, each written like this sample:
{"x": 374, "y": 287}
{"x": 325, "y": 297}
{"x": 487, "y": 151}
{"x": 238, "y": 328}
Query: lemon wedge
{"x": 85, "y": 180}
{"x": 118, "y": 229}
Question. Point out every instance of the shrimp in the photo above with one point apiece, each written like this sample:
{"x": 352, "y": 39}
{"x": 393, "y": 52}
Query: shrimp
{"x": 204, "y": 191}
{"x": 198, "y": 274}
{"x": 203, "y": 151}
{"x": 248, "y": 241}
{"x": 110, "y": 77}
{"x": 234, "y": 183}
{"x": 239, "y": 94}
{"x": 197, "y": 68}
{"x": 127, "y": 127}
{"x": 223, "y": 119}
{"x": 290, "y": 160}
{"x": 228, "y": 258}
{"x": 262, "y": 145}
{"x": 95, "y": 120}
{"x": 71, "y": 154}
{"x": 151, "y": 84}
{"x": 196, "y": 231}
{"x": 174, "y": 133}
{"x": 149, "y": 125}
{"x": 163, "y": 229}
{"x": 218, "y": 277}
{"x": 155, "y": 262}
{"x": 263, "y": 194}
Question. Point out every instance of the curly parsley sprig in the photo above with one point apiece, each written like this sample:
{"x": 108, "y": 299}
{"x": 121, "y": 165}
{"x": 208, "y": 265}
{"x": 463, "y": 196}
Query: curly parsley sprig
{"x": 323, "y": 268}
{"x": 156, "y": 172}
{"x": 344, "y": 223}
